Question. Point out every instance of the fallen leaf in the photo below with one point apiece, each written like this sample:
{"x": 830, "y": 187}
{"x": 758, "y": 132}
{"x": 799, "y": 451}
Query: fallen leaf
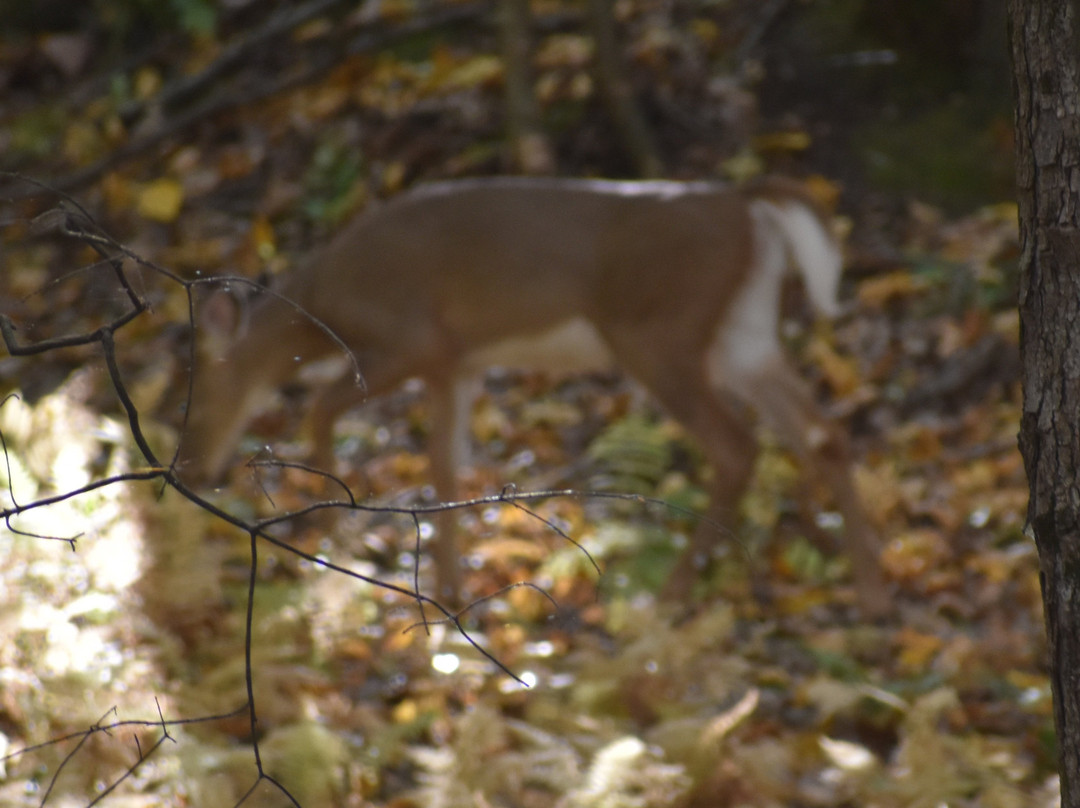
{"x": 795, "y": 141}
{"x": 910, "y": 556}
{"x": 879, "y": 292}
{"x": 916, "y": 649}
{"x": 160, "y": 201}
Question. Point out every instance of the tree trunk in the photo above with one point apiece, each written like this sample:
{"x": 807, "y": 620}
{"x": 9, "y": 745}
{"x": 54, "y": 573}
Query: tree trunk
{"x": 631, "y": 128}
{"x": 530, "y": 150}
{"x": 1046, "y": 63}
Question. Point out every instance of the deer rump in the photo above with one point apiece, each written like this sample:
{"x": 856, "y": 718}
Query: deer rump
{"x": 677, "y": 284}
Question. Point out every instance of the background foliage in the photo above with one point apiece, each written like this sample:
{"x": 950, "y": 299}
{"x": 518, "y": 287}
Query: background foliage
{"x": 228, "y": 137}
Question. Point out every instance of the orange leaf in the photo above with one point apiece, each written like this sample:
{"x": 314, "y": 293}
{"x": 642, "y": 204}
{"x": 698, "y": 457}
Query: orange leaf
{"x": 878, "y": 292}
{"x": 840, "y": 372}
{"x": 911, "y": 555}
{"x": 915, "y": 649}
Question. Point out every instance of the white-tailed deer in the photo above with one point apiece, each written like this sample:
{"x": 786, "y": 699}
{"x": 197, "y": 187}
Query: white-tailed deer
{"x": 678, "y": 284}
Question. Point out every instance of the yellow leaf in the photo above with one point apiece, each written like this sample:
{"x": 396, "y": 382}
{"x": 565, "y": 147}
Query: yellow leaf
{"x": 824, "y": 191}
{"x": 504, "y": 551}
{"x": 878, "y": 292}
{"x": 782, "y": 142}
{"x": 161, "y": 200}
{"x": 476, "y": 72}
{"x": 262, "y": 238}
{"x": 1028, "y": 680}
{"x": 326, "y": 100}
{"x": 745, "y": 165}
{"x": 707, "y": 31}
{"x": 996, "y": 566}
{"x": 408, "y": 466}
{"x": 147, "y": 83}
{"x": 390, "y": 10}
{"x": 394, "y": 176}
{"x": 564, "y": 50}
{"x": 840, "y": 372}
{"x": 406, "y": 712}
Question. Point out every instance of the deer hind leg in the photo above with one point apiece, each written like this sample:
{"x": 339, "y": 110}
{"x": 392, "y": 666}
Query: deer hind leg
{"x": 786, "y": 404}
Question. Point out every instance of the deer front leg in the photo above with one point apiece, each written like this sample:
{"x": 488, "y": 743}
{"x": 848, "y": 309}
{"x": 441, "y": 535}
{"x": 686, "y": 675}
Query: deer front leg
{"x": 726, "y": 436}
{"x": 449, "y": 406}
{"x": 724, "y": 431}
{"x": 326, "y": 408}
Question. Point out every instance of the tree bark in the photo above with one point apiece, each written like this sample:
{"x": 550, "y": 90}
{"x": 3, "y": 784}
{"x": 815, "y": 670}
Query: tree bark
{"x": 631, "y": 128}
{"x": 530, "y": 150}
{"x": 1046, "y": 64}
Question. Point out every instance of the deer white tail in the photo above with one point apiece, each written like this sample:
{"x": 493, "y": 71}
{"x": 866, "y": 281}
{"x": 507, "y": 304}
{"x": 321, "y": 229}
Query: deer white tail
{"x": 812, "y": 249}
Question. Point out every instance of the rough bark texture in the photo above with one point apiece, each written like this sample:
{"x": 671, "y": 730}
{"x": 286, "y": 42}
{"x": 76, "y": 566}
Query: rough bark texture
{"x": 1045, "y": 52}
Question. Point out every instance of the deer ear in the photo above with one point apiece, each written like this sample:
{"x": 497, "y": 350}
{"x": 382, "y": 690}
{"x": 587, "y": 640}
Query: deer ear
{"x": 219, "y": 321}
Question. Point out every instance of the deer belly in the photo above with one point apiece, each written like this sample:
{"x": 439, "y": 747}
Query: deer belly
{"x": 573, "y": 346}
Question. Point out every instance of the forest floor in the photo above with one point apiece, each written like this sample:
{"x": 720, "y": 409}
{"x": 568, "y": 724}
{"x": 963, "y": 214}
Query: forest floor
{"x": 770, "y": 691}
